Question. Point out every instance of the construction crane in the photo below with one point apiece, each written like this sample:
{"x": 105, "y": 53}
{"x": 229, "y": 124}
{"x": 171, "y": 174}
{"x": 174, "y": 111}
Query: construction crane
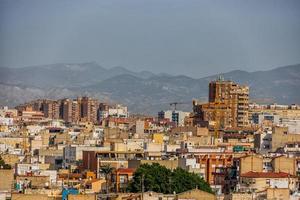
{"x": 177, "y": 103}
{"x": 174, "y": 104}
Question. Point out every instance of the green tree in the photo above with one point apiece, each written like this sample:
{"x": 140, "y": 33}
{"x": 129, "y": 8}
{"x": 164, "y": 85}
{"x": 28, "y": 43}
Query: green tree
{"x": 158, "y": 178}
{"x": 183, "y": 180}
{"x": 106, "y": 170}
{"x": 3, "y": 165}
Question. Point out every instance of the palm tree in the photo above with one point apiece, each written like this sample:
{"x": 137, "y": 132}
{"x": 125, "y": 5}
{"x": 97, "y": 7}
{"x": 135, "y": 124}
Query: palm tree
{"x": 106, "y": 170}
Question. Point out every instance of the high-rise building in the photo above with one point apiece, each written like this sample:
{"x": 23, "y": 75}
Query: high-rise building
{"x": 81, "y": 109}
{"x": 70, "y": 110}
{"x": 102, "y": 111}
{"x": 89, "y": 109}
{"x": 228, "y": 104}
{"x": 50, "y": 109}
{"x": 234, "y": 97}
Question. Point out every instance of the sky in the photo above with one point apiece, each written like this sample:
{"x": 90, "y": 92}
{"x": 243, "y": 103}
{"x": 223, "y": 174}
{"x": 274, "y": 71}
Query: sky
{"x": 190, "y": 37}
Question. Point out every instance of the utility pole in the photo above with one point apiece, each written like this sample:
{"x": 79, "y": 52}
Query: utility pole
{"x": 142, "y": 186}
{"x": 170, "y": 184}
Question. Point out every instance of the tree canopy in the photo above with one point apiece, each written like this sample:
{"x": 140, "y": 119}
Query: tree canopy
{"x": 160, "y": 179}
{"x": 106, "y": 170}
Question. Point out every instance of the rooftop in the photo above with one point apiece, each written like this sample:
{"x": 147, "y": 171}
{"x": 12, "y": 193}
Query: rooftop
{"x": 252, "y": 174}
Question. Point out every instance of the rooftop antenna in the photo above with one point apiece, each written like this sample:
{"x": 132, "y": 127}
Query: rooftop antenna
{"x": 220, "y": 78}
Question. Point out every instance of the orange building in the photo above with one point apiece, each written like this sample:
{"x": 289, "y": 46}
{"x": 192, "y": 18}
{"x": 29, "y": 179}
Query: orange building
{"x": 89, "y": 109}
{"x": 228, "y": 103}
{"x": 121, "y": 177}
{"x": 70, "y": 110}
{"x": 212, "y": 162}
{"x": 50, "y": 109}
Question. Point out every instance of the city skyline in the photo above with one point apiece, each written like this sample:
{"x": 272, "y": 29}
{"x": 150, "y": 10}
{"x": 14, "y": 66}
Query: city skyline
{"x": 218, "y": 150}
{"x": 149, "y": 100}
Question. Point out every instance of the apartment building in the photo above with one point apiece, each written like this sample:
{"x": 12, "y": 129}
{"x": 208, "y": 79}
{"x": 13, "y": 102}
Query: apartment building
{"x": 281, "y": 137}
{"x": 70, "y": 110}
{"x": 261, "y": 181}
{"x": 175, "y": 116}
{"x": 89, "y": 109}
{"x": 228, "y": 104}
{"x": 50, "y": 109}
{"x": 234, "y": 96}
{"x": 83, "y": 109}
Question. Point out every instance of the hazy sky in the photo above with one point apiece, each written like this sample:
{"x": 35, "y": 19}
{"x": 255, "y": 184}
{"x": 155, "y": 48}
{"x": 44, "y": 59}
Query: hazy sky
{"x": 192, "y": 37}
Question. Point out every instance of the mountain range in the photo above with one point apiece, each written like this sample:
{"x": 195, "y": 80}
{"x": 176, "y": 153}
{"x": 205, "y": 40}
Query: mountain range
{"x": 143, "y": 92}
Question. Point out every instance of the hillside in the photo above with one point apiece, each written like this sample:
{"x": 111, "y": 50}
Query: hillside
{"x": 141, "y": 91}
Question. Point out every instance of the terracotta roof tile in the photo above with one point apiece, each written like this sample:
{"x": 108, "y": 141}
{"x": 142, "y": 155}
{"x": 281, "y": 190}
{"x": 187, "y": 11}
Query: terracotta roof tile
{"x": 267, "y": 175}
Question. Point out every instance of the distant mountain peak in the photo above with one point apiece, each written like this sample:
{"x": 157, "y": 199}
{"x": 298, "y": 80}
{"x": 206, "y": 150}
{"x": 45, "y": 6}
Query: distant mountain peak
{"x": 143, "y": 91}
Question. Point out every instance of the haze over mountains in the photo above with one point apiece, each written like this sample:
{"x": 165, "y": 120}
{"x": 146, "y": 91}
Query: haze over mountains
{"x": 143, "y": 92}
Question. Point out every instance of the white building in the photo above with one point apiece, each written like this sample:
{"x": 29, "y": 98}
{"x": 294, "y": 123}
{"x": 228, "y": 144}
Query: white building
{"x": 263, "y": 141}
{"x": 176, "y": 116}
{"x": 6, "y": 121}
{"x": 118, "y": 111}
{"x": 292, "y": 124}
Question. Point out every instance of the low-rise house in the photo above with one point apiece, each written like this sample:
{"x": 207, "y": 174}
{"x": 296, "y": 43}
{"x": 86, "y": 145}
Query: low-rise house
{"x": 7, "y": 179}
{"x": 252, "y": 162}
{"x": 284, "y": 164}
{"x": 260, "y": 181}
{"x": 32, "y": 181}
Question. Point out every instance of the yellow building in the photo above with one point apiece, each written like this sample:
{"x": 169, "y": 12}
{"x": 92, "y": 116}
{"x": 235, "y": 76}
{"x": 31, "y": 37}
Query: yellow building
{"x": 38, "y": 182}
{"x": 281, "y": 136}
{"x": 158, "y": 138}
{"x": 283, "y": 113}
{"x": 196, "y": 131}
{"x": 8, "y": 176}
{"x": 241, "y": 196}
{"x": 15, "y": 142}
{"x": 113, "y": 163}
{"x": 252, "y": 162}
{"x": 10, "y": 159}
{"x": 261, "y": 181}
{"x": 278, "y": 193}
{"x": 97, "y": 185}
{"x": 18, "y": 196}
{"x": 4, "y": 128}
{"x": 284, "y": 164}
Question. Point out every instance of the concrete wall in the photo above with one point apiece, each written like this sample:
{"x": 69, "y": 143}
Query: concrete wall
{"x": 260, "y": 184}
{"x": 6, "y": 179}
{"x": 278, "y": 194}
{"x": 251, "y": 163}
{"x": 81, "y": 197}
{"x": 241, "y": 196}
{"x": 36, "y": 181}
{"x": 17, "y": 196}
{"x": 284, "y": 164}
{"x": 281, "y": 136}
